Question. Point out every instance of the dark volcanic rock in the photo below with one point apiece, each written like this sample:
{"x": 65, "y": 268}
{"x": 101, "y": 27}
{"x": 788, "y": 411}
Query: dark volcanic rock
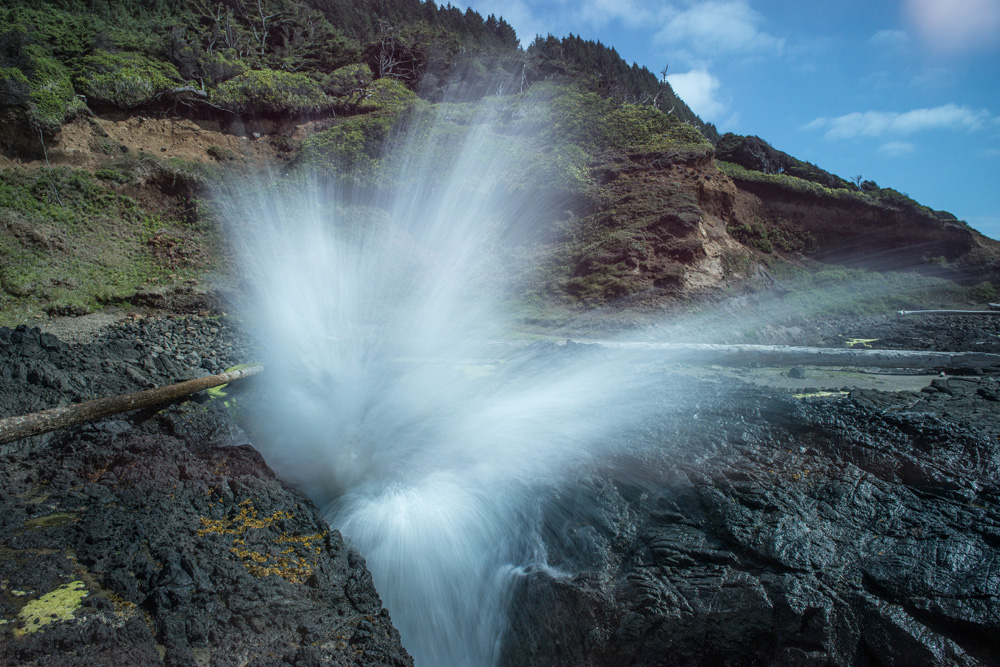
{"x": 164, "y": 539}
{"x": 754, "y": 529}
{"x": 733, "y": 526}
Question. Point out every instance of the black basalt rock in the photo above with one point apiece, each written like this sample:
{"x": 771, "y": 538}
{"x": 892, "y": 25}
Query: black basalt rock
{"x": 857, "y": 531}
{"x": 164, "y": 538}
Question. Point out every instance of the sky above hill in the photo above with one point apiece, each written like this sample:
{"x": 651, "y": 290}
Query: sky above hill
{"x": 902, "y": 92}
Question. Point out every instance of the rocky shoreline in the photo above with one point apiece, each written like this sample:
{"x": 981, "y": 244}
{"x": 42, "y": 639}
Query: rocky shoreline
{"x": 771, "y": 530}
{"x": 164, "y": 537}
{"x": 738, "y": 526}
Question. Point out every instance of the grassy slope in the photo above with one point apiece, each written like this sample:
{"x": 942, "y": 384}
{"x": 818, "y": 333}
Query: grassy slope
{"x": 72, "y": 243}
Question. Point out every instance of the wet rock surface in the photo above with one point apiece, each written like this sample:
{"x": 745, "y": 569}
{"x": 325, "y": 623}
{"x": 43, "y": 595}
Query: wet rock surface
{"x": 742, "y": 526}
{"x": 163, "y": 537}
{"x": 972, "y": 333}
{"x": 737, "y": 526}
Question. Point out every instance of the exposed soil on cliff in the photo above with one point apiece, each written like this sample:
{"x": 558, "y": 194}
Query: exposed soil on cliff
{"x": 866, "y": 236}
{"x": 91, "y": 142}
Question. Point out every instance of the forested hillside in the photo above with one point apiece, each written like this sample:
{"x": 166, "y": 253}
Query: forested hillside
{"x": 61, "y": 57}
{"x": 140, "y": 104}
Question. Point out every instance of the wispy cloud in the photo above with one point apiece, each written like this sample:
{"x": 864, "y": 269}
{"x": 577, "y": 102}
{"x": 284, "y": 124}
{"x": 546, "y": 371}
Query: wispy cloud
{"x": 600, "y": 13}
{"x": 700, "y": 90}
{"x": 897, "y": 41}
{"x": 896, "y": 148}
{"x": 718, "y": 27}
{"x": 953, "y": 26}
{"x": 889, "y": 123}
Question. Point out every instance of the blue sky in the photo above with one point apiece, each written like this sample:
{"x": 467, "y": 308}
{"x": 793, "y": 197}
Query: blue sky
{"x": 902, "y": 92}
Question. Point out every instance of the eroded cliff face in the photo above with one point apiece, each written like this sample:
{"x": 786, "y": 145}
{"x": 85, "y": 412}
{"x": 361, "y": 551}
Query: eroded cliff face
{"x": 93, "y": 142}
{"x": 657, "y": 234}
{"x": 657, "y": 229}
{"x": 868, "y": 236}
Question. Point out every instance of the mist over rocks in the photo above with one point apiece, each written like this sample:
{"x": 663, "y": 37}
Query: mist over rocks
{"x": 164, "y": 538}
{"x": 733, "y": 525}
{"x": 767, "y": 530}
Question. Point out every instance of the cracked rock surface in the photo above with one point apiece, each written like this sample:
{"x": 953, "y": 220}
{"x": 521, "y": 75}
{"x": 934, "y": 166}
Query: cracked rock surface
{"x": 742, "y": 526}
{"x": 163, "y": 538}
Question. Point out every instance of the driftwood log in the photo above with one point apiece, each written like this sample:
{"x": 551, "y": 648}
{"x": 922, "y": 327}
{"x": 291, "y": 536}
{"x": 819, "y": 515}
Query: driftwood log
{"x": 36, "y": 423}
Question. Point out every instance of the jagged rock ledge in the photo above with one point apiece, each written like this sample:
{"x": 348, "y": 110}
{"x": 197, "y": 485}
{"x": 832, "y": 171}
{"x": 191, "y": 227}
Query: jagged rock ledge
{"x": 164, "y": 538}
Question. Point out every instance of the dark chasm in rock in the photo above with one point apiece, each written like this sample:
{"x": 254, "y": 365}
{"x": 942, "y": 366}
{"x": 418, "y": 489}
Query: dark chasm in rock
{"x": 739, "y": 526}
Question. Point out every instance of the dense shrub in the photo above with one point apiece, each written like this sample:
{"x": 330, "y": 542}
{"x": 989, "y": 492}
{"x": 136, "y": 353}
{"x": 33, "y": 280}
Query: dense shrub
{"x": 348, "y": 86}
{"x": 14, "y": 87}
{"x": 757, "y": 155}
{"x": 33, "y": 82}
{"x": 125, "y": 80}
{"x": 355, "y": 144}
{"x": 51, "y": 97}
{"x": 389, "y": 96}
{"x": 792, "y": 183}
{"x": 268, "y": 91}
{"x": 598, "y": 123}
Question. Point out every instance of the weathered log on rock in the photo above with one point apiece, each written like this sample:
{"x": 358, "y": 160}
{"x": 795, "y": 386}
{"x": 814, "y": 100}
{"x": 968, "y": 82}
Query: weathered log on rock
{"x": 36, "y": 423}
{"x": 810, "y": 356}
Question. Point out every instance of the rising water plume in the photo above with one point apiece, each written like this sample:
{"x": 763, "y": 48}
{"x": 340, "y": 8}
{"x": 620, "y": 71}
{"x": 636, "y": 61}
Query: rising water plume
{"x": 380, "y": 305}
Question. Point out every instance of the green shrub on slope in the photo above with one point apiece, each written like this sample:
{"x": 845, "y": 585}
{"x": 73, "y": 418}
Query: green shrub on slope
{"x": 352, "y": 147}
{"x": 271, "y": 91}
{"x": 125, "y": 80}
{"x": 70, "y": 244}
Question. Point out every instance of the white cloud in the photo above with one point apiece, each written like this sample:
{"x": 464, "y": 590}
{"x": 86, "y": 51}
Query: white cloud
{"x": 719, "y": 26}
{"x": 956, "y": 26}
{"x": 933, "y": 77}
{"x": 699, "y": 89}
{"x": 882, "y": 123}
{"x": 992, "y": 152}
{"x": 896, "y": 148}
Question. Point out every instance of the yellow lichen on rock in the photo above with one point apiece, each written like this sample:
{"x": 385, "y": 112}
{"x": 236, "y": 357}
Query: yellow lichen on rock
{"x": 57, "y": 605}
{"x": 246, "y": 520}
{"x": 292, "y": 563}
